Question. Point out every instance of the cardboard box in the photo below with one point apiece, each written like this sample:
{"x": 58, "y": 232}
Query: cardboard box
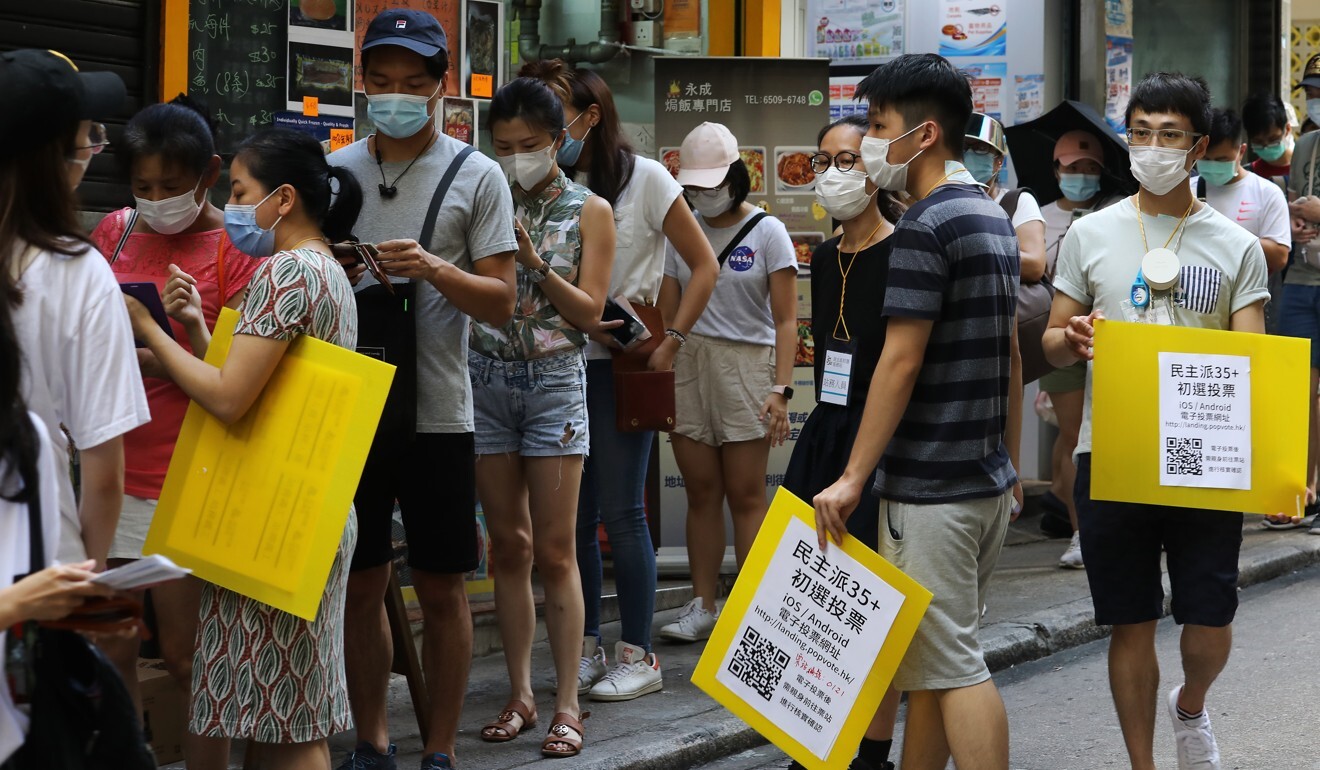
{"x": 164, "y": 711}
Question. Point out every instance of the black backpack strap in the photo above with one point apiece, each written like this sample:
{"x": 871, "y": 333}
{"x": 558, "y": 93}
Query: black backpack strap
{"x": 1200, "y": 187}
{"x": 36, "y": 535}
{"x": 737, "y": 239}
{"x": 123, "y": 237}
{"x": 441, "y": 190}
{"x": 1010, "y": 201}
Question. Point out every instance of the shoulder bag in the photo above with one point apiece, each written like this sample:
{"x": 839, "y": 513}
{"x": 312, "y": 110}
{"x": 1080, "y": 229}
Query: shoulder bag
{"x": 1033, "y": 308}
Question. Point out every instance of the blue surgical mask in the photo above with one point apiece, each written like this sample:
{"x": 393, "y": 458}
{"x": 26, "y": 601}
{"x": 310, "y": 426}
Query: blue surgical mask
{"x": 399, "y": 116}
{"x": 1079, "y": 188}
{"x": 244, "y": 232}
{"x": 571, "y": 150}
{"x": 981, "y": 165}
{"x": 1217, "y": 172}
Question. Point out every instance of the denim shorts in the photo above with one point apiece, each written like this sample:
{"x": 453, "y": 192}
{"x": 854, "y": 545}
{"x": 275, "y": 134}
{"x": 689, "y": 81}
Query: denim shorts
{"x": 536, "y": 408}
{"x": 1299, "y": 316}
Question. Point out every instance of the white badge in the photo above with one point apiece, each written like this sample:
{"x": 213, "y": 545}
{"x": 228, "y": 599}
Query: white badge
{"x": 837, "y": 379}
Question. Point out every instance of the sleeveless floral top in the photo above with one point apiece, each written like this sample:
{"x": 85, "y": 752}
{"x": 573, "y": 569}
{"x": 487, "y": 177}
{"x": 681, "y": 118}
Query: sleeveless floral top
{"x": 552, "y": 219}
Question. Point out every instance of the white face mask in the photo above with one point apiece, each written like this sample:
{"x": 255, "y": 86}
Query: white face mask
{"x": 1159, "y": 169}
{"x": 883, "y": 174}
{"x": 172, "y": 215}
{"x": 842, "y": 194}
{"x": 711, "y": 203}
{"x": 1313, "y": 110}
{"x": 528, "y": 169}
{"x": 77, "y": 168}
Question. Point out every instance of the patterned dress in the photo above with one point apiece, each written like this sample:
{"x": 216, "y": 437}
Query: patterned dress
{"x": 260, "y": 673}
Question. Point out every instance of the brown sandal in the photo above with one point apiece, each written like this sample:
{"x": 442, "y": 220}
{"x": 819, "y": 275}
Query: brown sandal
{"x": 502, "y": 729}
{"x": 564, "y": 731}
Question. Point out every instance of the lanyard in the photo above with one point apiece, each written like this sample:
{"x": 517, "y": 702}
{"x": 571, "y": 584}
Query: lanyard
{"x": 843, "y": 290}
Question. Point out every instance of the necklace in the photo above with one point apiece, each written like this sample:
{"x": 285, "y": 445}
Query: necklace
{"x": 320, "y": 238}
{"x": 943, "y": 179}
{"x": 392, "y": 190}
{"x": 1142, "y": 224}
{"x": 843, "y": 289}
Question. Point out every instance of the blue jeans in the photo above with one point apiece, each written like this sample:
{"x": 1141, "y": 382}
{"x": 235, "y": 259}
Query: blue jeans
{"x": 613, "y": 481}
{"x": 1299, "y": 316}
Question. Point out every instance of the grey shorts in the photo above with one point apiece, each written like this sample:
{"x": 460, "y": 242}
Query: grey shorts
{"x": 951, "y": 549}
{"x": 536, "y": 408}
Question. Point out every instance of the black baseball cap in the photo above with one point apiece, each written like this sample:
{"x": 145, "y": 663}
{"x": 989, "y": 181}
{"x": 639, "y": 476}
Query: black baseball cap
{"x": 418, "y": 31}
{"x": 1311, "y": 75}
{"x": 43, "y": 93}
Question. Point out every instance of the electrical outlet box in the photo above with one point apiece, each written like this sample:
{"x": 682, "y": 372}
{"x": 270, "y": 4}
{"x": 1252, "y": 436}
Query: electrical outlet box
{"x": 646, "y": 33}
{"x": 645, "y": 6}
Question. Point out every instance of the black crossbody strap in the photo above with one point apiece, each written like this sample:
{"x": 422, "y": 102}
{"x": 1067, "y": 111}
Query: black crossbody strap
{"x": 441, "y": 190}
{"x": 123, "y": 238}
{"x": 737, "y": 239}
{"x": 36, "y": 535}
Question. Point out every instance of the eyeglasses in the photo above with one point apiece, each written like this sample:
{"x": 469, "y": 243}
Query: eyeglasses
{"x": 702, "y": 192}
{"x": 1163, "y": 137}
{"x": 844, "y": 161}
{"x": 97, "y": 139}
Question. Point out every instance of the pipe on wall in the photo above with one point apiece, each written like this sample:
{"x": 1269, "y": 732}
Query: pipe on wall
{"x": 530, "y": 47}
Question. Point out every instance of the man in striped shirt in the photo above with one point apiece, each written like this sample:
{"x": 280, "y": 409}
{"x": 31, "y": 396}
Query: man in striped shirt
{"x": 938, "y": 406}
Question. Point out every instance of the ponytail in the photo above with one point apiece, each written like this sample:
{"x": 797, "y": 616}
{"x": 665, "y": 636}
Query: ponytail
{"x": 345, "y": 206}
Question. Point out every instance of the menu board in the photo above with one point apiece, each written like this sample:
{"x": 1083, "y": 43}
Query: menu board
{"x": 236, "y": 64}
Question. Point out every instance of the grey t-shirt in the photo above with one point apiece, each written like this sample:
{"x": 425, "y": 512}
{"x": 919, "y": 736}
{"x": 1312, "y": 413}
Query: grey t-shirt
{"x": 1304, "y": 180}
{"x": 475, "y": 222}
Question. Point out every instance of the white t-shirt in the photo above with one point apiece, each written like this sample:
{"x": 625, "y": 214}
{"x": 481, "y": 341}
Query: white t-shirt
{"x": 81, "y": 369}
{"x": 1027, "y": 209}
{"x": 1254, "y": 203}
{"x": 739, "y": 308}
{"x": 639, "y": 249}
{"x": 14, "y": 545}
{"x": 1223, "y": 270}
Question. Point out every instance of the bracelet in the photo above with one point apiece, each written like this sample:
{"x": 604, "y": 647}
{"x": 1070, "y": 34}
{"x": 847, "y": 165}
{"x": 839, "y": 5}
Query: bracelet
{"x": 677, "y": 335}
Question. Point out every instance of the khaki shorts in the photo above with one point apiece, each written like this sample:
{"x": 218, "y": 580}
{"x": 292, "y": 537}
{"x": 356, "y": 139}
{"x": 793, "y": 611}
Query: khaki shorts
{"x": 951, "y": 549}
{"x": 1066, "y": 380}
{"x": 719, "y": 387}
{"x": 131, "y": 533}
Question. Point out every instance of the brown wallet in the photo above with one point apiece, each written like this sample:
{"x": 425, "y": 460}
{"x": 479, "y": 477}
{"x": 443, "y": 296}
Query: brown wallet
{"x": 643, "y": 399}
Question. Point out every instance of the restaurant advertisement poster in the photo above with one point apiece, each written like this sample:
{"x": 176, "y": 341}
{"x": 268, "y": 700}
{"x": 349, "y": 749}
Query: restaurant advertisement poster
{"x": 987, "y": 82}
{"x": 810, "y": 638}
{"x": 973, "y": 28}
{"x": 775, "y": 108}
{"x": 855, "y": 31}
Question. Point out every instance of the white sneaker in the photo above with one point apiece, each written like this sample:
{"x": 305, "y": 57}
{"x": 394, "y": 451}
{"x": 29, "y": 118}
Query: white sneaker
{"x": 694, "y": 623}
{"x": 636, "y": 674}
{"x": 1072, "y": 558}
{"x": 1197, "y": 749}
{"x": 593, "y": 666}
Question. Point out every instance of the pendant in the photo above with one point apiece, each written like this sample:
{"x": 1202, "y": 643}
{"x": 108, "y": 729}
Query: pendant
{"x": 1160, "y": 268}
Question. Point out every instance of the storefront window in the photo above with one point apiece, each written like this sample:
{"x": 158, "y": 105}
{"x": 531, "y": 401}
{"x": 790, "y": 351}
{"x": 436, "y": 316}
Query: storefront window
{"x": 1195, "y": 37}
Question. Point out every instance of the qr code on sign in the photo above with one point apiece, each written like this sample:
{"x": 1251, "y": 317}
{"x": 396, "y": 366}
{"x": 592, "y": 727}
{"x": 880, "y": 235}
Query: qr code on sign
{"x": 1183, "y": 456}
{"x": 758, "y": 663}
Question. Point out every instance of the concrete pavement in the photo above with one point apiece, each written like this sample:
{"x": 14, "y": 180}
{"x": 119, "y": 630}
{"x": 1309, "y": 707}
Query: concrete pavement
{"x": 1035, "y": 609}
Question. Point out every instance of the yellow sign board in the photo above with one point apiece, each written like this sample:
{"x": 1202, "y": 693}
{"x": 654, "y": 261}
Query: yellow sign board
{"x": 259, "y": 506}
{"x": 1166, "y": 430}
{"x": 809, "y": 640}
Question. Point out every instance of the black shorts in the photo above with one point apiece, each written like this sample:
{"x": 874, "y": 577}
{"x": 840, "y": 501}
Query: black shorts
{"x": 819, "y": 459}
{"x": 433, "y": 477}
{"x": 1121, "y": 545}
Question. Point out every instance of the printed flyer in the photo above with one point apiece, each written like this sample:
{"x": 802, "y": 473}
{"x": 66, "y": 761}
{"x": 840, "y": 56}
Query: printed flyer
{"x": 973, "y": 28}
{"x": 855, "y": 31}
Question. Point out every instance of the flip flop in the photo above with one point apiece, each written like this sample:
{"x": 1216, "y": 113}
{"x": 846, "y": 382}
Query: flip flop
{"x": 502, "y": 730}
{"x": 564, "y": 731}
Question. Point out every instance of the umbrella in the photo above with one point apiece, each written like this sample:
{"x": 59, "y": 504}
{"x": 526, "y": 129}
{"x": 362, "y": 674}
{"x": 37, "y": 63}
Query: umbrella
{"x": 1031, "y": 145}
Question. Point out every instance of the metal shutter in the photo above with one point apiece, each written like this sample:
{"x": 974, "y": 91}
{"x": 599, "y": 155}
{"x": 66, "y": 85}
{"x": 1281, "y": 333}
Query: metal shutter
{"x": 122, "y": 36}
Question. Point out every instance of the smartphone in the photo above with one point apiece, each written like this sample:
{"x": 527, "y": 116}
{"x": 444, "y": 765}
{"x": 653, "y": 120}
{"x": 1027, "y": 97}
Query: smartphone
{"x": 632, "y": 330}
{"x": 147, "y": 293}
{"x": 363, "y": 254}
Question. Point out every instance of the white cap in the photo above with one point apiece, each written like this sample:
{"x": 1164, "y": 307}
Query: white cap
{"x": 704, "y": 158}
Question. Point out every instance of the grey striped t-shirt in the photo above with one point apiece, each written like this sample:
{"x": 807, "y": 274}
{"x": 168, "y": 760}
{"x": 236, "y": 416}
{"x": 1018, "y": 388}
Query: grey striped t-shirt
{"x": 954, "y": 261}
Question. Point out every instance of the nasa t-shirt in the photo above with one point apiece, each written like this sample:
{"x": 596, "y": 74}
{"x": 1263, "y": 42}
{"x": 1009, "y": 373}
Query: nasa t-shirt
{"x": 739, "y": 309}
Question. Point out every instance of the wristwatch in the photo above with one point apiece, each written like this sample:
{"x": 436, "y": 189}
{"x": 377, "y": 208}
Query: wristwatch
{"x": 540, "y": 273}
{"x": 784, "y": 390}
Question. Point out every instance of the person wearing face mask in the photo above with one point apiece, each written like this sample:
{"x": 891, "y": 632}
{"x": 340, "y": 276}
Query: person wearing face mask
{"x": 174, "y": 238}
{"x": 270, "y": 678}
{"x": 849, "y": 273}
{"x": 1271, "y": 136}
{"x": 734, "y": 372}
{"x": 983, "y": 154}
{"x": 934, "y": 450}
{"x": 82, "y": 373}
{"x": 1248, "y": 199}
{"x": 529, "y": 396}
{"x": 1079, "y": 167}
{"x": 463, "y": 272}
{"x": 1159, "y": 257}
{"x": 649, "y": 211}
